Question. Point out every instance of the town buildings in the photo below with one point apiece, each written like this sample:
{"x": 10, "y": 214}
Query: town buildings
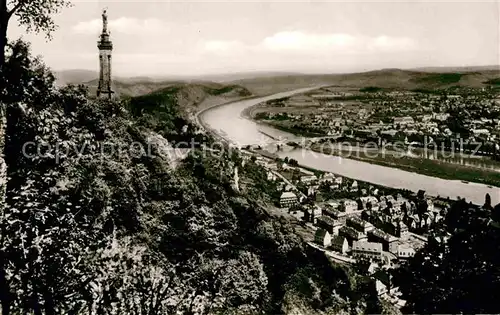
{"x": 405, "y": 252}
{"x": 329, "y": 224}
{"x": 367, "y": 250}
{"x": 365, "y": 224}
{"x": 359, "y": 224}
{"x": 394, "y": 117}
{"x": 352, "y": 234}
{"x": 348, "y": 205}
{"x": 323, "y": 237}
{"x": 340, "y": 244}
{"x": 288, "y": 199}
{"x": 377, "y": 235}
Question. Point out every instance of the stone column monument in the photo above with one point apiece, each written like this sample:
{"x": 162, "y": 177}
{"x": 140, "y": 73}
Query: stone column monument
{"x": 105, "y": 48}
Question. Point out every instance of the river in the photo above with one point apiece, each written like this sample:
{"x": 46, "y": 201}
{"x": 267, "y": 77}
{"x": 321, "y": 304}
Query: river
{"x": 229, "y": 122}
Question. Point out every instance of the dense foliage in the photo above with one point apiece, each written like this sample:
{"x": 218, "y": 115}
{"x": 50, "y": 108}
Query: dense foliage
{"x": 440, "y": 78}
{"x": 371, "y": 89}
{"x": 495, "y": 81}
{"x": 454, "y": 277}
{"x": 158, "y": 111}
{"x": 96, "y": 223}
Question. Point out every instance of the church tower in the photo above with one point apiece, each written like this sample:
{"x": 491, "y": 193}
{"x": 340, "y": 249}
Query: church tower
{"x": 105, "y": 48}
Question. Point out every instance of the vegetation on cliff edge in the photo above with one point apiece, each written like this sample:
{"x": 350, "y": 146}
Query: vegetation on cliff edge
{"x": 87, "y": 229}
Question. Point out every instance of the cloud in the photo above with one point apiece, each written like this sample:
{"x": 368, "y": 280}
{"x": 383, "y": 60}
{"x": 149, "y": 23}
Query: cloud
{"x": 125, "y": 25}
{"x": 88, "y": 27}
{"x": 222, "y": 47}
{"x": 311, "y": 43}
{"x": 304, "y": 41}
{"x": 392, "y": 43}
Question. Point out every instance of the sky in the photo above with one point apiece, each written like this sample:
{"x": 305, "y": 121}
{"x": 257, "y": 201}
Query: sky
{"x": 161, "y": 38}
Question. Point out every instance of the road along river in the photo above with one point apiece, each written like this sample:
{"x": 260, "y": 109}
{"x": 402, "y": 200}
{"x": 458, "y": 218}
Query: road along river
{"x": 227, "y": 120}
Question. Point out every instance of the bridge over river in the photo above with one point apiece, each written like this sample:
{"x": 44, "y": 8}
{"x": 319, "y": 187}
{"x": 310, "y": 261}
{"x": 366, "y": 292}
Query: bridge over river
{"x": 299, "y": 140}
{"x": 229, "y": 123}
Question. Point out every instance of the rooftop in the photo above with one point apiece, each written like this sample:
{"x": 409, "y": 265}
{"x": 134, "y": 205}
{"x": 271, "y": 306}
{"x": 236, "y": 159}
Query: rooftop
{"x": 357, "y": 220}
{"x": 338, "y": 240}
{"x": 381, "y": 234}
{"x": 288, "y": 194}
{"x": 352, "y": 232}
{"x": 328, "y": 220}
{"x": 367, "y": 246}
{"x": 320, "y": 234}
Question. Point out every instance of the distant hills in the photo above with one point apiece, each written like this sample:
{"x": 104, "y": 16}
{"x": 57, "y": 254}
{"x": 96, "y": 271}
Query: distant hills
{"x": 385, "y": 78}
{"x": 459, "y": 69}
{"x": 77, "y": 76}
{"x": 261, "y": 83}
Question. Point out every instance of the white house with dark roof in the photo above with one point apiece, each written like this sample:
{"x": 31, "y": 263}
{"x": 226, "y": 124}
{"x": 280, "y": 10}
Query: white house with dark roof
{"x": 382, "y": 281}
{"x": 380, "y": 236}
{"x": 323, "y": 237}
{"x": 349, "y": 205}
{"x": 352, "y": 234}
{"x": 357, "y": 223}
{"x": 405, "y": 251}
{"x": 308, "y": 178}
{"x": 367, "y": 250}
{"x": 329, "y": 224}
{"x": 288, "y": 199}
{"x": 340, "y": 244}
{"x": 354, "y": 186}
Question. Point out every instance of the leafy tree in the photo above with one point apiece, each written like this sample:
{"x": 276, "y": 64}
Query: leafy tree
{"x": 293, "y": 162}
{"x": 35, "y": 15}
{"x": 487, "y": 202}
{"x": 105, "y": 233}
{"x": 451, "y": 277}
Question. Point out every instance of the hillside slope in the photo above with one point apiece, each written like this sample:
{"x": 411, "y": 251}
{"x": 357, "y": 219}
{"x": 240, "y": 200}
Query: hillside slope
{"x": 94, "y": 225}
{"x": 269, "y": 83}
{"x": 386, "y": 78}
{"x": 187, "y": 94}
{"x": 459, "y": 69}
{"x": 74, "y": 76}
{"x": 77, "y": 76}
{"x": 189, "y": 98}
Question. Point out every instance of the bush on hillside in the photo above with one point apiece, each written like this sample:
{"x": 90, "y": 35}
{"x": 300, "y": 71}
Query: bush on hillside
{"x": 86, "y": 230}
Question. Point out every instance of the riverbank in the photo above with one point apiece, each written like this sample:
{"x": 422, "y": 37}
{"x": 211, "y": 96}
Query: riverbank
{"x": 420, "y": 165}
{"x": 294, "y": 131}
{"x": 270, "y": 155}
{"x": 230, "y": 124}
{"x": 434, "y": 168}
{"x": 249, "y": 113}
{"x": 204, "y": 106}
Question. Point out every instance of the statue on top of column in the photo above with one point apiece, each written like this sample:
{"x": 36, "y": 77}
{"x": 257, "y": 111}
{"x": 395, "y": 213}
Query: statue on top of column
{"x": 104, "y": 22}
